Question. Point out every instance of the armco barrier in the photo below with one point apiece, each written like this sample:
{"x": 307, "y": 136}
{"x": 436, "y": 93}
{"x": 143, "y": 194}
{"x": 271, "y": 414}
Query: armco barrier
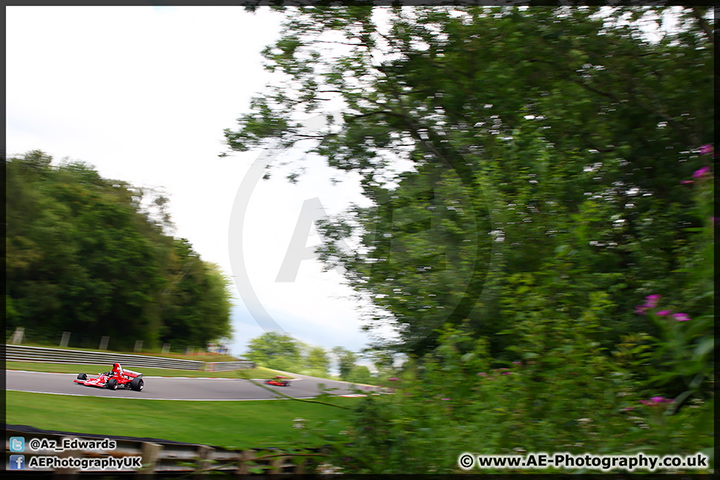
{"x": 21, "y": 353}
{"x": 165, "y": 457}
{"x": 228, "y": 366}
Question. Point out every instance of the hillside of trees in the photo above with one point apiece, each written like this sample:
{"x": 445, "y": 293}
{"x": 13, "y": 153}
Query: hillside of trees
{"x": 91, "y": 256}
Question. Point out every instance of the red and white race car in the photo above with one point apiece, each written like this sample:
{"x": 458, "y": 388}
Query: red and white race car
{"x": 117, "y": 377}
{"x": 279, "y": 381}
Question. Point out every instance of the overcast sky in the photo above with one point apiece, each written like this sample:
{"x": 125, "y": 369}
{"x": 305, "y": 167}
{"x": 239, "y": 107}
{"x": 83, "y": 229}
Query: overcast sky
{"x": 143, "y": 94}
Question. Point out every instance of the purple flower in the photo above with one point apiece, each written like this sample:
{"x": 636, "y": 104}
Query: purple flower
{"x": 701, "y": 172}
{"x": 664, "y": 313}
{"x": 652, "y": 300}
{"x": 640, "y": 309}
{"x": 517, "y": 362}
{"x": 656, "y": 401}
{"x": 687, "y": 182}
{"x": 681, "y": 317}
{"x": 506, "y": 373}
{"x": 660, "y": 400}
{"x": 392, "y": 379}
{"x": 706, "y": 149}
{"x": 482, "y": 374}
{"x": 445, "y": 399}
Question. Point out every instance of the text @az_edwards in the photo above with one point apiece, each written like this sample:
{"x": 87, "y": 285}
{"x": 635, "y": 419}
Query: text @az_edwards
{"x": 37, "y": 444}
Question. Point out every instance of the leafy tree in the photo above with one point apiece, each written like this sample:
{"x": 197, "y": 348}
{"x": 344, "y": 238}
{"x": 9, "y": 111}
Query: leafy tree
{"x": 316, "y": 361}
{"x": 197, "y": 300}
{"x": 275, "y": 350}
{"x": 530, "y": 178}
{"x": 360, "y": 374}
{"x": 552, "y": 133}
{"x": 382, "y": 360}
{"x": 345, "y": 360}
{"x": 85, "y": 256}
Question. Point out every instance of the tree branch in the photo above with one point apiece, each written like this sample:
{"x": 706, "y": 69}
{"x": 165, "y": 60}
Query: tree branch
{"x": 704, "y": 25}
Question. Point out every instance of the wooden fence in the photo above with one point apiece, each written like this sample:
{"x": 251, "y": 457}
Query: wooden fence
{"x": 162, "y": 458}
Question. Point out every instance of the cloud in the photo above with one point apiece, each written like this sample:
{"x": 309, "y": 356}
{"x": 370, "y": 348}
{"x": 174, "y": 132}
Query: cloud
{"x": 144, "y": 94}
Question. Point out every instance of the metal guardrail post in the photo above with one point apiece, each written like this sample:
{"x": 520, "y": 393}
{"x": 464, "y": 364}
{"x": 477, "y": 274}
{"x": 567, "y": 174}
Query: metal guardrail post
{"x": 68, "y": 472}
{"x": 17, "y": 336}
{"x": 276, "y": 464}
{"x": 300, "y": 466}
{"x": 246, "y": 456}
{"x": 204, "y": 454}
{"x": 150, "y": 452}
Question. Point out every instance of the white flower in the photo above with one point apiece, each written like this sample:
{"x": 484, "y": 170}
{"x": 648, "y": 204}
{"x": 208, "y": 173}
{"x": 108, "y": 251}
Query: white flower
{"x": 326, "y": 468}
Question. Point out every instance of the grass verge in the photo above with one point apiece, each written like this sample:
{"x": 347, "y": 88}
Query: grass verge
{"x": 257, "y": 424}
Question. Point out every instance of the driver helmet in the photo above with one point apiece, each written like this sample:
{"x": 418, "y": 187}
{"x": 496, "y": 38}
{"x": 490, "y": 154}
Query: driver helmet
{"x": 117, "y": 368}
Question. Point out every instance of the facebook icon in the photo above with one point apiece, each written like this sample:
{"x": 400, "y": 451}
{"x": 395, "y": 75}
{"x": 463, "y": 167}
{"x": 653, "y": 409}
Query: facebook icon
{"x": 17, "y": 462}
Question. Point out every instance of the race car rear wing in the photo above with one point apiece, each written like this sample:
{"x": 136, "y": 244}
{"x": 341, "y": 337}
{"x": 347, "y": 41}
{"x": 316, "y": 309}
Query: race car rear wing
{"x": 131, "y": 374}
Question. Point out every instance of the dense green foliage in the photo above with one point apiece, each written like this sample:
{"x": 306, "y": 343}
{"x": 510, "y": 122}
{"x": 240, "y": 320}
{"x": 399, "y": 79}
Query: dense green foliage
{"x": 274, "y": 350}
{"x": 283, "y": 352}
{"x": 534, "y": 175}
{"x": 86, "y": 255}
{"x": 532, "y": 134}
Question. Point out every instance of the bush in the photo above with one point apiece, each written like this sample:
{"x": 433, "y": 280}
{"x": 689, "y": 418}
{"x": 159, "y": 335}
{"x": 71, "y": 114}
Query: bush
{"x": 574, "y": 400}
{"x": 360, "y": 374}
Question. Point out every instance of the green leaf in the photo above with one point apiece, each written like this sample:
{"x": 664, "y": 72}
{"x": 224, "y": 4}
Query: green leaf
{"x": 705, "y": 346}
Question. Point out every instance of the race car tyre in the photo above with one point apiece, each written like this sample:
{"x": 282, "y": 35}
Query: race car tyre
{"x": 137, "y": 384}
{"x": 286, "y": 384}
{"x": 112, "y": 384}
{"x": 82, "y": 376}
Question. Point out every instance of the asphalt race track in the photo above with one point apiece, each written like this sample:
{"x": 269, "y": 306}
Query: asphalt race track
{"x": 175, "y": 388}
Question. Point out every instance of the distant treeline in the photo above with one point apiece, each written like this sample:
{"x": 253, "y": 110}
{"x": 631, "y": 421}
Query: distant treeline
{"x": 92, "y": 255}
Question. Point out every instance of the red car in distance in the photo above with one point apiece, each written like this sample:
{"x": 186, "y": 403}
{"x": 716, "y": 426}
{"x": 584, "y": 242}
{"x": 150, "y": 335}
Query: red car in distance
{"x": 279, "y": 381}
{"x": 117, "y": 377}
